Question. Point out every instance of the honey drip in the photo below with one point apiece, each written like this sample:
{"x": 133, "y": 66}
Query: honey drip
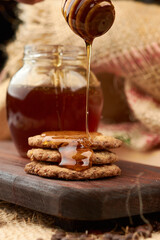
{"x": 88, "y": 19}
{"x": 73, "y": 146}
{"x": 89, "y": 49}
{"x": 75, "y": 158}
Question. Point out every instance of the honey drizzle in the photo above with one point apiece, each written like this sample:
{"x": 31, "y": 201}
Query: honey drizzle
{"x": 88, "y": 19}
{"x": 75, "y": 158}
{"x": 74, "y": 148}
{"x": 89, "y": 50}
{"x": 76, "y": 153}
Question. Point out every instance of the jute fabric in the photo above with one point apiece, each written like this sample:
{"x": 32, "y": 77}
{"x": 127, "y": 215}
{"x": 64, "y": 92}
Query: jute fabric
{"x": 17, "y": 223}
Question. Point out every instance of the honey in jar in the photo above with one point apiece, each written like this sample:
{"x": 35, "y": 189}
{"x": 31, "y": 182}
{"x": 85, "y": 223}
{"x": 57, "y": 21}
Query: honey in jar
{"x": 49, "y": 94}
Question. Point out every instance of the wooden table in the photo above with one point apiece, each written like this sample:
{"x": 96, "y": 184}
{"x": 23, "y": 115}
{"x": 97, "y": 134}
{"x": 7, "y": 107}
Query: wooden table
{"x": 80, "y": 200}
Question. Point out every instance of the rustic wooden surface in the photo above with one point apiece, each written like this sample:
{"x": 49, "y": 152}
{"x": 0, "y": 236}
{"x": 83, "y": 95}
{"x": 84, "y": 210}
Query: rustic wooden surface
{"x": 80, "y": 200}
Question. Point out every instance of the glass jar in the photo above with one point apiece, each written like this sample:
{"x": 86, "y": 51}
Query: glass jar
{"x": 49, "y": 93}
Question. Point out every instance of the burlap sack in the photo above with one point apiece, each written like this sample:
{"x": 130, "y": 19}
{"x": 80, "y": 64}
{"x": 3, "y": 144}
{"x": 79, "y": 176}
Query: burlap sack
{"x": 145, "y": 108}
{"x": 136, "y": 27}
{"x": 17, "y": 223}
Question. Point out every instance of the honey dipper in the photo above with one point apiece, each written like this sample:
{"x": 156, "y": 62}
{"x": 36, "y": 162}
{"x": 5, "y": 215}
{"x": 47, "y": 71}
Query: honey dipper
{"x": 89, "y": 18}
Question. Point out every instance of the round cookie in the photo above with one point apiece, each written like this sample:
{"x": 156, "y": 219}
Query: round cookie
{"x": 47, "y": 155}
{"x": 51, "y": 171}
{"x": 98, "y": 142}
{"x": 144, "y": 107}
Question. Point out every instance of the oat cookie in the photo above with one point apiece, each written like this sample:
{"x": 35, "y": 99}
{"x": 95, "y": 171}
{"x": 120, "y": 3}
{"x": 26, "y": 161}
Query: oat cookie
{"x": 52, "y": 171}
{"x": 98, "y": 142}
{"x": 47, "y": 155}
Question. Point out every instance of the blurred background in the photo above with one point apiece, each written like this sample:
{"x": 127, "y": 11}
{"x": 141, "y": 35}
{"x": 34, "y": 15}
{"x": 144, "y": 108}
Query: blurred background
{"x": 9, "y": 22}
{"x": 126, "y": 61}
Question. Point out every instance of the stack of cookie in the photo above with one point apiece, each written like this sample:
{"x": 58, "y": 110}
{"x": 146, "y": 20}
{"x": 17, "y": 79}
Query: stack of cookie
{"x": 45, "y": 159}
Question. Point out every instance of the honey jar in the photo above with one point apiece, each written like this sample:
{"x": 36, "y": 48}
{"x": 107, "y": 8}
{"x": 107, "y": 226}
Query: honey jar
{"x": 49, "y": 94}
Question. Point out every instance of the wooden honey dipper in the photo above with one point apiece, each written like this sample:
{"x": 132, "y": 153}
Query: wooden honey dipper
{"x": 89, "y": 18}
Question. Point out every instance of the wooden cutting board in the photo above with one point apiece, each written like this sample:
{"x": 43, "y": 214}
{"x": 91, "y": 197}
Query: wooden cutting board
{"x": 80, "y": 200}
